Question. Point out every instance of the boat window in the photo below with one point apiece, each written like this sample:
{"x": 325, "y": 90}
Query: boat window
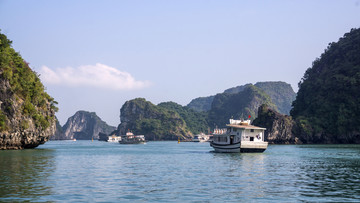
{"x": 252, "y": 130}
{"x": 251, "y": 138}
{"x": 222, "y": 139}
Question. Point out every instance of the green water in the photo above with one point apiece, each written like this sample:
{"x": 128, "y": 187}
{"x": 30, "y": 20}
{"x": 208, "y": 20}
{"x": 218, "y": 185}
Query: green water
{"x": 85, "y": 171}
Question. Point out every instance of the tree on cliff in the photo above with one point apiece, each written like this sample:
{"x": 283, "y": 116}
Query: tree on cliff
{"x": 27, "y": 113}
{"x": 327, "y": 106}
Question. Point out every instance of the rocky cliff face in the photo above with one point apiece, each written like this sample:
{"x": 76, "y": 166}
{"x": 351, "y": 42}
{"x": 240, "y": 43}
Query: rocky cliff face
{"x": 59, "y": 133}
{"x": 155, "y": 122}
{"x": 27, "y": 112}
{"x": 85, "y": 126}
{"x": 280, "y": 93}
{"x": 237, "y": 105}
{"x": 21, "y": 131}
{"x": 201, "y": 104}
{"x": 195, "y": 121}
{"x": 278, "y": 126}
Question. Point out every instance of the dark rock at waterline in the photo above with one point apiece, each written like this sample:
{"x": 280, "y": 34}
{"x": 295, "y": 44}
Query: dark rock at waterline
{"x": 278, "y": 126}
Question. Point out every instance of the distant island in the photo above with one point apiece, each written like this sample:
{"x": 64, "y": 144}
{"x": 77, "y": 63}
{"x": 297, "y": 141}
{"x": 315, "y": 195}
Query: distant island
{"x": 83, "y": 125}
{"x": 281, "y": 94}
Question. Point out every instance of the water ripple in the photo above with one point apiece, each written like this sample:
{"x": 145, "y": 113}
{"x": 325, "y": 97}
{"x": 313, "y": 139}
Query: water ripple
{"x": 188, "y": 172}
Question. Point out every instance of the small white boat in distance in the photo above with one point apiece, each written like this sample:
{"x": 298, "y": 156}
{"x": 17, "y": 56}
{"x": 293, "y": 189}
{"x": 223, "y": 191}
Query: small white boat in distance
{"x": 239, "y": 136}
{"x": 195, "y": 138}
{"x": 201, "y": 138}
{"x": 204, "y": 138}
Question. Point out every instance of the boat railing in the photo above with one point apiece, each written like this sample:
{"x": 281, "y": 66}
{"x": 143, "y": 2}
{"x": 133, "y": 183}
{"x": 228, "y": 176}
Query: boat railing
{"x": 218, "y": 131}
{"x": 239, "y": 122}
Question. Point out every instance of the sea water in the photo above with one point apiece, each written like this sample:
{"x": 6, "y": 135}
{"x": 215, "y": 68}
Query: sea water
{"x": 85, "y": 171}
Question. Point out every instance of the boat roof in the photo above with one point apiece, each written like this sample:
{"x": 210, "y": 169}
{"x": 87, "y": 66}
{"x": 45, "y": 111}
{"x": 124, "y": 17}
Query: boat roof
{"x": 245, "y": 127}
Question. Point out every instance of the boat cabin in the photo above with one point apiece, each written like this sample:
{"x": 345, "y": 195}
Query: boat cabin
{"x": 113, "y": 138}
{"x": 238, "y": 131}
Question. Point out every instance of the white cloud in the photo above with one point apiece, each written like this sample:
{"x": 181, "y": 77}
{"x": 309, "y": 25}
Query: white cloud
{"x": 98, "y": 75}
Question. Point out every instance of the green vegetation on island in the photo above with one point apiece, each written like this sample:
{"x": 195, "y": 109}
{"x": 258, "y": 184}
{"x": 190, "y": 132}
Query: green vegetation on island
{"x": 153, "y": 121}
{"x": 201, "y": 104}
{"x": 237, "y": 105}
{"x": 27, "y": 113}
{"x": 169, "y": 120}
{"x": 280, "y": 93}
{"x": 196, "y": 122}
{"x": 327, "y": 106}
{"x": 25, "y": 85}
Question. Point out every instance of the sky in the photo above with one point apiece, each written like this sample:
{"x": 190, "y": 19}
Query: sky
{"x": 96, "y": 55}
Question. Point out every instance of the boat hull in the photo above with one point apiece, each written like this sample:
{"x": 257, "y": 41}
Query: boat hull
{"x": 251, "y": 150}
{"x": 243, "y": 147}
{"x": 233, "y": 148}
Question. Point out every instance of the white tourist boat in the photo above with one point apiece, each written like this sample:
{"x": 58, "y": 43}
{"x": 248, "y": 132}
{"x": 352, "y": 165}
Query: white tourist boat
{"x": 113, "y": 138}
{"x": 130, "y": 138}
{"x": 239, "y": 136}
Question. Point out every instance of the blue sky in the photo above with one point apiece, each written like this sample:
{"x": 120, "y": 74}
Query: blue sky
{"x": 95, "y": 55}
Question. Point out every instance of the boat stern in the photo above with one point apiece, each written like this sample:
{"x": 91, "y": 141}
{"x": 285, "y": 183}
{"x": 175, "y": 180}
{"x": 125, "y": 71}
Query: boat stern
{"x": 249, "y": 146}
